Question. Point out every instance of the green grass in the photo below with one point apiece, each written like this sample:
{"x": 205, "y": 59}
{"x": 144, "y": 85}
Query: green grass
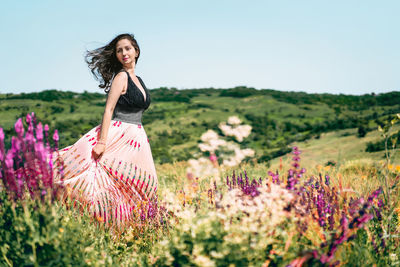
{"x": 339, "y": 146}
{"x": 296, "y": 116}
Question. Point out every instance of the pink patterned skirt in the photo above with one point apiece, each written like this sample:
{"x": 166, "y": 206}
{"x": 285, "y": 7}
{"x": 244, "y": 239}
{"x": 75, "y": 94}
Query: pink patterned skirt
{"x": 115, "y": 185}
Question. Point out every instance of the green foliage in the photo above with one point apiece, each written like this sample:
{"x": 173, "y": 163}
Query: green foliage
{"x": 380, "y": 144}
{"x": 361, "y": 131}
{"x": 241, "y": 91}
{"x": 45, "y": 95}
{"x": 164, "y": 94}
{"x": 278, "y": 118}
{"x": 41, "y": 233}
{"x": 228, "y": 234}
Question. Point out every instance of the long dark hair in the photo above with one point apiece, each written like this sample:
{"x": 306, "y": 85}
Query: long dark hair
{"x": 103, "y": 62}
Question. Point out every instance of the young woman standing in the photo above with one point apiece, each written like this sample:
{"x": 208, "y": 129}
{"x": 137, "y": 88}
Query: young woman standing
{"x": 110, "y": 169}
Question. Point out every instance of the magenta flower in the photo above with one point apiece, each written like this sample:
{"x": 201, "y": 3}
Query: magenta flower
{"x": 1, "y": 135}
{"x": 28, "y": 118}
{"x": 55, "y": 136}
{"x": 213, "y": 158}
{"x": 27, "y": 164}
{"x": 39, "y": 131}
{"x": 19, "y": 127}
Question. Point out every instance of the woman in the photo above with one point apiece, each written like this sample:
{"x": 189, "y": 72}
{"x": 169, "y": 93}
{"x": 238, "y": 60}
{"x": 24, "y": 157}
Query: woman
{"x": 110, "y": 170}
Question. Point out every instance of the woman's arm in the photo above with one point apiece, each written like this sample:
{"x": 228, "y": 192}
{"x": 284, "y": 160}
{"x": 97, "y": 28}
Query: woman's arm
{"x": 117, "y": 86}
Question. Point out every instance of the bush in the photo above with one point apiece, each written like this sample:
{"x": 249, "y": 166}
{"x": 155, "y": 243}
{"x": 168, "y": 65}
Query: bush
{"x": 33, "y": 232}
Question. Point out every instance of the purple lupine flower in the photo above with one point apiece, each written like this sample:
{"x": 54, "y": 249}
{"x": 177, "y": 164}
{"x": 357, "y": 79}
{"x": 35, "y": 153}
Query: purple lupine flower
{"x": 327, "y": 180}
{"x": 33, "y": 117}
{"x": 2, "y": 152}
{"x": 39, "y": 131}
{"x": 9, "y": 160}
{"x": 26, "y": 162}
{"x": 378, "y": 214}
{"x": 365, "y": 218}
{"x": 46, "y": 134}
{"x": 29, "y": 139}
{"x": 296, "y": 151}
{"x": 19, "y": 127}
{"x": 275, "y": 177}
{"x": 56, "y": 138}
{"x": 30, "y": 128}
{"x": 28, "y": 118}
{"x": 15, "y": 145}
{"x": 9, "y": 172}
{"x": 1, "y": 135}
{"x": 331, "y": 219}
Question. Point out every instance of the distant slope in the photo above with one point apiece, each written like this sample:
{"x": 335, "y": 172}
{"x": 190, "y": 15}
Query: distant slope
{"x": 338, "y": 147}
{"x": 177, "y": 118}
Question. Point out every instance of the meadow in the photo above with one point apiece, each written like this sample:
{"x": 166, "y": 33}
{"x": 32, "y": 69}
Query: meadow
{"x": 177, "y": 118}
{"x": 314, "y": 182}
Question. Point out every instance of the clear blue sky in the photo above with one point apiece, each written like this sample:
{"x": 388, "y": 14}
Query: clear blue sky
{"x": 350, "y": 47}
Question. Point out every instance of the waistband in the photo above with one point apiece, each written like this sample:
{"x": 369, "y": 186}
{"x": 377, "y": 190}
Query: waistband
{"x": 128, "y": 117}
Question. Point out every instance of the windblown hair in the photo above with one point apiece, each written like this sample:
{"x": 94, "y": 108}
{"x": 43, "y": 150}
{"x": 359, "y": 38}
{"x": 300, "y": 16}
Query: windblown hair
{"x": 103, "y": 62}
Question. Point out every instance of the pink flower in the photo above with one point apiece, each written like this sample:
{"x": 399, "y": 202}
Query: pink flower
{"x": 19, "y": 127}
{"x": 213, "y": 157}
{"x": 15, "y": 145}
{"x": 39, "y": 131}
{"x": 55, "y": 135}
{"x": 9, "y": 160}
{"x": 28, "y": 118}
{"x": 1, "y": 135}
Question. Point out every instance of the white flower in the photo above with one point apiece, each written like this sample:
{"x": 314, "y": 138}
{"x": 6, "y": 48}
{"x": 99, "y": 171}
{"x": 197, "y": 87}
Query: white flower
{"x": 234, "y": 120}
{"x": 230, "y": 162}
{"x": 201, "y": 168}
{"x": 201, "y": 260}
{"x": 242, "y": 131}
{"x": 211, "y": 145}
{"x": 209, "y": 135}
{"x": 239, "y": 132}
{"x": 215, "y": 143}
{"x": 238, "y": 156}
{"x": 205, "y": 147}
{"x": 226, "y": 129}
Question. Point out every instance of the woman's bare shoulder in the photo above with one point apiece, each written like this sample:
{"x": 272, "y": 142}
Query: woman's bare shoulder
{"x": 122, "y": 75}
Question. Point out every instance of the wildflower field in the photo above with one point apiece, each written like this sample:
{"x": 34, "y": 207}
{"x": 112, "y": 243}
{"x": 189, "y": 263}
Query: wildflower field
{"x": 220, "y": 208}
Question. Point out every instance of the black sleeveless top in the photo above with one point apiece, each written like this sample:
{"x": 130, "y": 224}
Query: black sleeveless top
{"x": 131, "y": 105}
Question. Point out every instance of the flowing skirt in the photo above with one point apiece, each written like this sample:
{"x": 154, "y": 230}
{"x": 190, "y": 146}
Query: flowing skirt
{"x": 112, "y": 187}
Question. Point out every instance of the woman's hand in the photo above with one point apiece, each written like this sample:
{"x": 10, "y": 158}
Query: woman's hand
{"x": 98, "y": 151}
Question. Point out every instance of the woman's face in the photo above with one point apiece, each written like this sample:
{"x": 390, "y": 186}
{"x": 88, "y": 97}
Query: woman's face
{"x": 125, "y": 51}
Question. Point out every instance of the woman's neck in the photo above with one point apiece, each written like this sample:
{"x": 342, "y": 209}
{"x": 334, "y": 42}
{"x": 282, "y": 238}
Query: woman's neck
{"x": 130, "y": 68}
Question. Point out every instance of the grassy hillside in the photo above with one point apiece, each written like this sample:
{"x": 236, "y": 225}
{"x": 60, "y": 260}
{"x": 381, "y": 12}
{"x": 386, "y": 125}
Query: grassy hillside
{"x": 332, "y": 204}
{"x": 177, "y": 118}
{"x": 337, "y": 148}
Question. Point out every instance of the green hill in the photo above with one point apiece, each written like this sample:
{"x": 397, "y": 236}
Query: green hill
{"x": 177, "y": 118}
{"x": 338, "y": 147}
